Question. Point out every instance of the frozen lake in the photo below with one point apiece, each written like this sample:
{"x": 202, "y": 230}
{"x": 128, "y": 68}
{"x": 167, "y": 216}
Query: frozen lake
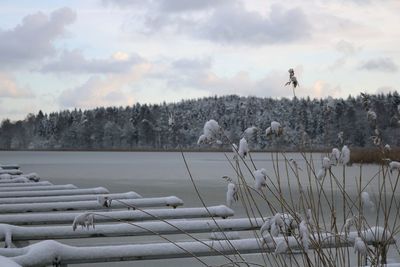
{"x": 164, "y": 173}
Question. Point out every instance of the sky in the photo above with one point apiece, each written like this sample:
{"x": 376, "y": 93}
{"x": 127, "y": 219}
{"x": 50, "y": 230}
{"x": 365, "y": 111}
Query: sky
{"x": 57, "y": 55}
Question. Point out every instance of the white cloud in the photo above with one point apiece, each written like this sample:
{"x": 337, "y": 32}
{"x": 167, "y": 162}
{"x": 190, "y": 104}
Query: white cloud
{"x": 10, "y": 89}
{"x": 385, "y": 90}
{"x": 322, "y": 89}
{"x": 75, "y": 62}
{"x": 197, "y": 75}
{"x": 109, "y": 91}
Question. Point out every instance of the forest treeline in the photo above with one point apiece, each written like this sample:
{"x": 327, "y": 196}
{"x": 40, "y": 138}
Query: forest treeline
{"x": 308, "y": 123}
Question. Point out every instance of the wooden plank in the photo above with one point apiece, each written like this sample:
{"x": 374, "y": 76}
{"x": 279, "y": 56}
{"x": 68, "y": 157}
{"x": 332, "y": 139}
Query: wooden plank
{"x": 10, "y": 179}
{"x": 85, "y": 191}
{"x": 29, "y": 187}
{"x": 11, "y": 171}
{"x": 10, "y": 183}
{"x": 21, "y": 233}
{"x": 9, "y": 166}
{"x": 91, "y": 205}
{"x": 15, "y": 200}
{"x": 44, "y": 253}
{"x": 115, "y": 216}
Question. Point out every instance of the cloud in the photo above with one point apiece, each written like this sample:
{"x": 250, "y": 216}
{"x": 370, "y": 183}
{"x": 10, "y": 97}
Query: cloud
{"x": 385, "y": 90}
{"x": 383, "y": 64}
{"x": 75, "y": 62}
{"x": 322, "y": 89}
{"x": 168, "y": 6}
{"x": 198, "y": 76}
{"x": 346, "y": 50}
{"x": 235, "y": 24}
{"x": 33, "y": 38}
{"x": 126, "y": 3}
{"x": 190, "y": 64}
{"x": 223, "y": 21}
{"x": 271, "y": 85}
{"x": 10, "y": 89}
{"x": 185, "y": 5}
{"x": 18, "y": 110}
{"x": 109, "y": 91}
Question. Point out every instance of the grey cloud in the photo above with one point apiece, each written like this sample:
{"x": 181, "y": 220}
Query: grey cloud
{"x": 234, "y": 24}
{"x": 185, "y": 5}
{"x": 105, "y": 90}
{"x": 346, "y": 48}
{"x": 223, "y": 21}
{"x": 383, "y": 64}
{"x": 75, "y": 62}
{"x": 94, "y": 92}
{"x": 192, "y": 64}
{"x": 168, "y": 6}
{"x": 33, "y": 38}
{"x": 196, "y": 74}
{"x": 126, "y": 3}
{"x": 74, "y": 96}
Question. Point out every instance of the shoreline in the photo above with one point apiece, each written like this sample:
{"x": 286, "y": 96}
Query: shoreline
{"x": 358, "y": 155}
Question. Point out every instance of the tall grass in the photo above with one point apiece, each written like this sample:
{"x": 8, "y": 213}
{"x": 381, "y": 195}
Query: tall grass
{"x": 334, "y": 204}
{"x": 332, "y": 200}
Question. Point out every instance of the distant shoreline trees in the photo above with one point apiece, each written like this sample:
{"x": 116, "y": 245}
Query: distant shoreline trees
{"x": 310, "y": 124}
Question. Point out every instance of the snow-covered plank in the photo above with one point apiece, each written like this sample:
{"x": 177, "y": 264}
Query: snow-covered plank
{"x": 10, "y": 183}
{"x": 29, "y": 187}
{"x": 11, "y": 171}
{"x": 20, "y": 179}
{"x": 6, "y": 262}
{"x": 9, "y": 166}
{"x": 49, "y": 251}
{"x": 114, "y": 216}
{"x": 85, "y": 191}
{"x": 91, "y": 205}
{"x": 15, "y": 200}
{"x": 21, "y": 233}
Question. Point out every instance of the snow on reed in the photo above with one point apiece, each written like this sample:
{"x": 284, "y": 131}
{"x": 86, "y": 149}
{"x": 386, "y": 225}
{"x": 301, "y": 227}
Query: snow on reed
{"x": 260, "y": 179}
{"x": 345, "y": 155}
{"x": 231, "y": 194}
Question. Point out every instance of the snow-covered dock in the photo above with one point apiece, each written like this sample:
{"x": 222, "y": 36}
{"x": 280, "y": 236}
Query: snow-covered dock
{"x": 68, "y": 212}
{"x": 52, "y": 252}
